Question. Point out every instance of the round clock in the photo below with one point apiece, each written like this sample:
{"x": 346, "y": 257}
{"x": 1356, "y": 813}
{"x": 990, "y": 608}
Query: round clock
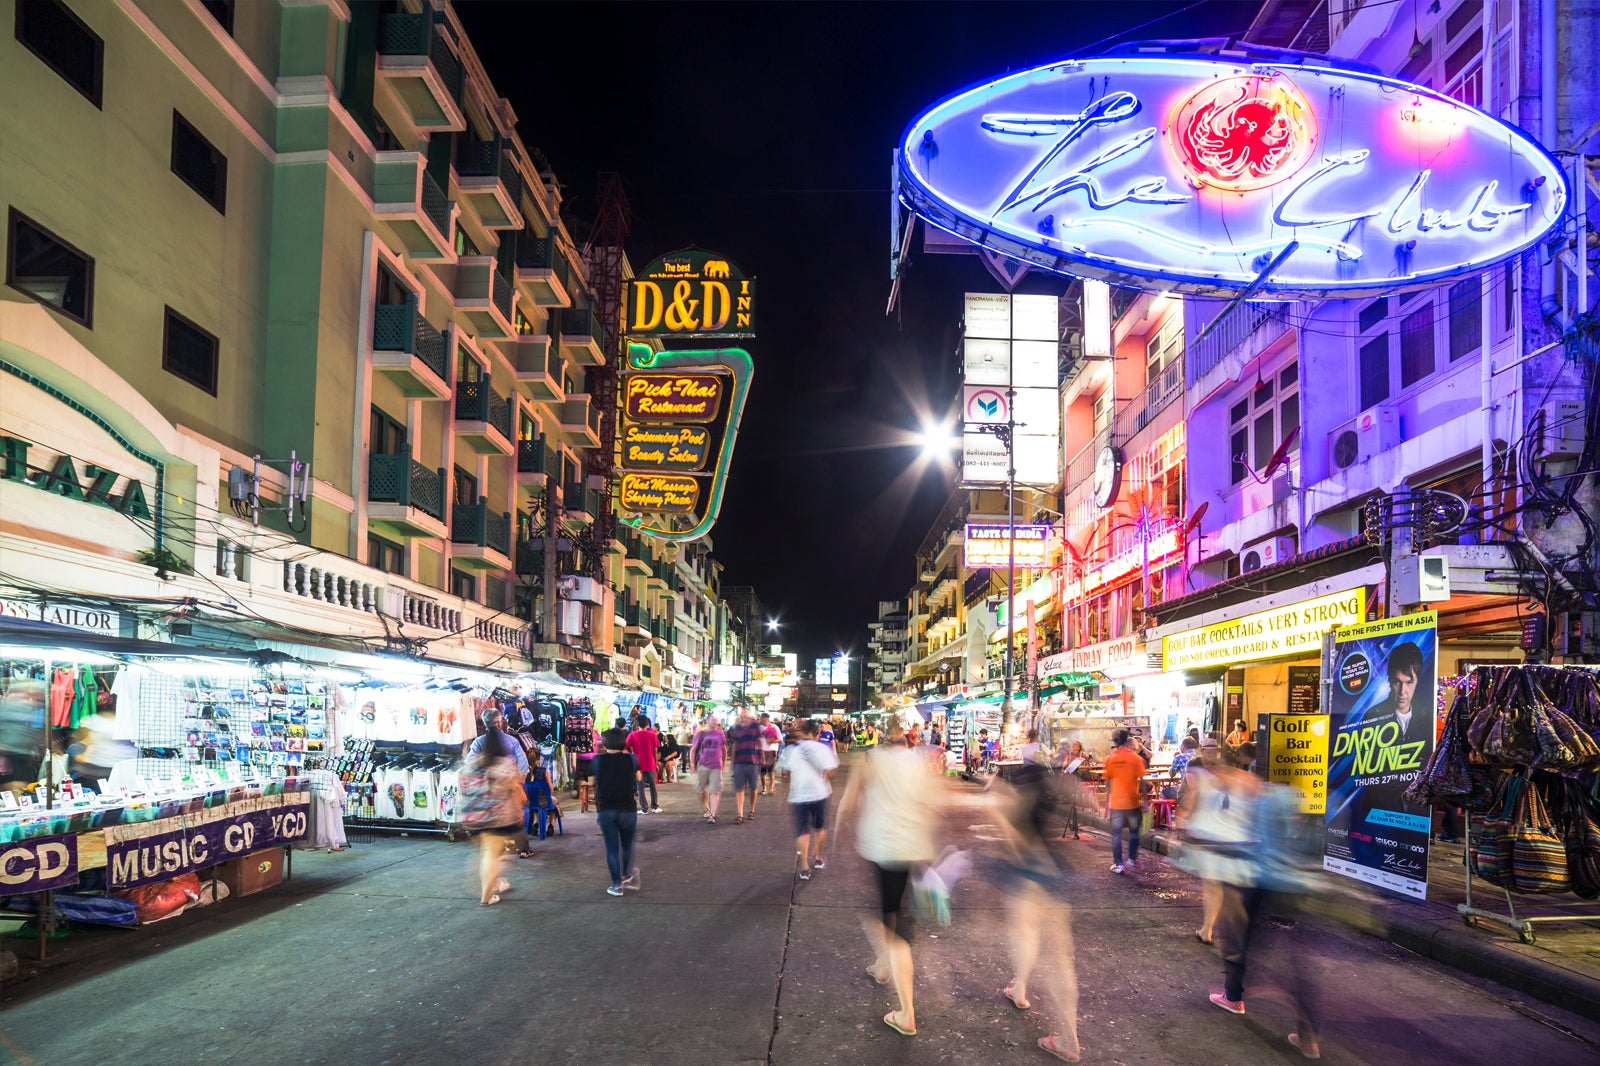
{"x": 1107, "y": 476}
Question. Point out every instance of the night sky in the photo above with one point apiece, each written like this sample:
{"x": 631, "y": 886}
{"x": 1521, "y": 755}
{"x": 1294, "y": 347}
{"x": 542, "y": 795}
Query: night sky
{"x": 764, "y": 132}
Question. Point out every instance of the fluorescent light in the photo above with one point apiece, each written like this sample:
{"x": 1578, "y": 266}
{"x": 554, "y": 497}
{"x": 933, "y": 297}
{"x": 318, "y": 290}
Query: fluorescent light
{"x": 55, "y": 655}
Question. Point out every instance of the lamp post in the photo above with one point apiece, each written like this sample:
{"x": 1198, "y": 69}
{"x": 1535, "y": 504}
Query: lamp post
{"x": 1007, "y": 435}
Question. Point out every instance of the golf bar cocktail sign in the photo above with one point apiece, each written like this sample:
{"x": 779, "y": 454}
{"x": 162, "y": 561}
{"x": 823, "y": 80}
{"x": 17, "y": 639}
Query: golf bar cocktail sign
{"x": 1200, "y": 172}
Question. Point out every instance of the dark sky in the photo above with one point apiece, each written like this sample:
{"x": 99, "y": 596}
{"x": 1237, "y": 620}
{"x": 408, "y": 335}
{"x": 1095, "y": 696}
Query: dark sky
{"x": 764, "y": 131}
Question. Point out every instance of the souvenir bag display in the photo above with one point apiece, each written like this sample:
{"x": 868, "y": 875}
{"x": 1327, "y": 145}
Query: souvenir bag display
{"x": 1494, "y": 843}
{"x": 1583, "y": 840}
{"x": 1538, "y": 854}
{"x": 1448, "y": 774}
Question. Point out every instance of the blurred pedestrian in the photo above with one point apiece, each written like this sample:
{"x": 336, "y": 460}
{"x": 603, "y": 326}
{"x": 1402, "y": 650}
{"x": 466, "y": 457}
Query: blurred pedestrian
{"x": 616, "y": 779}
{"x": 705, "y": 759}
{"x": 1031, "y": 750}
{"x": 1214, "y": 804}
{"x": 491, "y": 789}
{"x": 1026, "y": 806}
{"x": 825, "y": 736}
{"x": 808, "y": 765}
{"x": 1123, "y": 772}
{"x": 1274, "y": 880}
{"x": 643, "y": 743}
{"x": 899, "y": 804}
{"x": 744, "y": 746}
{"x": 771, "y": 744}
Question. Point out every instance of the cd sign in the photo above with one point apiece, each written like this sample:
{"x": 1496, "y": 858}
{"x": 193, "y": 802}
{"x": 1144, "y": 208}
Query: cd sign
{"x": 1198, "y": 173}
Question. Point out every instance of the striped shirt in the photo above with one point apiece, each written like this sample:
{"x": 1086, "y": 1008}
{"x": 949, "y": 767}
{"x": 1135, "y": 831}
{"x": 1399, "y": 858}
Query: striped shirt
{"x": 745, "y": 740}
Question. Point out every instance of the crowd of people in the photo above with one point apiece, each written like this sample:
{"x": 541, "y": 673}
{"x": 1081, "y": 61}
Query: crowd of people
{"x": 1239, "y": 836}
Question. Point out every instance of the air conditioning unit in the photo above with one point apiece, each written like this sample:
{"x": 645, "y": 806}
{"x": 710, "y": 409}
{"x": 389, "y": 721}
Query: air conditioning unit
{"x": 1421, "y": 579}
{"x": 579, "y": 589}
{"x": 1563, "y": 430}
{"x": 570, "y": 619}
{"x": 1268, "y": 552}
{"x": 1372, "y": 431}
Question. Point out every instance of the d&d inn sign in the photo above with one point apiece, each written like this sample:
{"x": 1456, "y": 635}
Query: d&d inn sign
{"x": 691, "y": 293}
{"x": 95, "y": 485}
{"x": 1198, "y": 173}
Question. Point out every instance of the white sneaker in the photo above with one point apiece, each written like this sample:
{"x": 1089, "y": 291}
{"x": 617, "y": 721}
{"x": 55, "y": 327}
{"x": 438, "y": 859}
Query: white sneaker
{"x": 655, "y": 810}
{"x": 1116, "y": 867}
{"x": 819, "y": 865}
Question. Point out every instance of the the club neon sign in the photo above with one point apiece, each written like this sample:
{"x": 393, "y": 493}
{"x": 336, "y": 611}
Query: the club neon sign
{"x": 1193, "y": 173}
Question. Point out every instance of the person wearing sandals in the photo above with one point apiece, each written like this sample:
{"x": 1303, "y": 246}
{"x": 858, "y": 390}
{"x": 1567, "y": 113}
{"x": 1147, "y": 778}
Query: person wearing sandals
{"x": 899, "y": 802}
{"x": 491, "y": 759}
{"x": 705, "y": 759}
{"x": 616, "y": 777}
{"x": 744, "y": 744}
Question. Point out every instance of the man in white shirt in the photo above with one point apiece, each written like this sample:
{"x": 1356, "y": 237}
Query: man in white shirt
{"x": 808, "y": 765}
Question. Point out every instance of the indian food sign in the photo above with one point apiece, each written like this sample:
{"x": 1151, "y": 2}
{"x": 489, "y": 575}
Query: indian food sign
{"x": 692, "y": 293}
{"x": 1202, "y": 173}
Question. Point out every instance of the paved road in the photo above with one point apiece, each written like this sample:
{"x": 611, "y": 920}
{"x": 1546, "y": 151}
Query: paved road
{"x": 381, "y": 955}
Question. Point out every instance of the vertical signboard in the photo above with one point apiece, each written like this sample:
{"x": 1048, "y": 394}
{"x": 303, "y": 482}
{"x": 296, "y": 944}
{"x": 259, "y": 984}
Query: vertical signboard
{"x": 1382, "y": 722}
{"x": 1298, "y": 757}
{"x": 1010, "y": 377}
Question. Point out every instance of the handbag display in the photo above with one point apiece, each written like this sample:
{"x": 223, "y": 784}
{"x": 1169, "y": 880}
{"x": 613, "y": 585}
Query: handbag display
{"x": 1583, "y": 841}
{"x": 1538, "y": 855}
{"x": 1492, "y": 856}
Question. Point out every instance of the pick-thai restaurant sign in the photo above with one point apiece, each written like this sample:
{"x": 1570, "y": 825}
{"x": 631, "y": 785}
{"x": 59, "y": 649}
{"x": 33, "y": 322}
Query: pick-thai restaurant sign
{"x": 989, "y": 545}
{"x": 1295, "y": 629}
{"x": 1196, "y": 173}
{"x": 657, "y": 397}
{"x": 692, "y": 293}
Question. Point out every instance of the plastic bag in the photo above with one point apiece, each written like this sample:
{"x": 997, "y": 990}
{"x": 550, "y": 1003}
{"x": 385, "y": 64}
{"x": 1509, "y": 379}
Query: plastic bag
{"x": 163, "y": 899}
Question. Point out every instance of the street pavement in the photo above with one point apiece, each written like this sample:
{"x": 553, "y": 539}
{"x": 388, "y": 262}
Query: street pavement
{"x": 381, "y": 955}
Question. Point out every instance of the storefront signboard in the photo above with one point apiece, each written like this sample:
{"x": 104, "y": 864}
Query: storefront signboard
{"x": 1305, "y": 684}
{"x": 666, "y": 448}
{"x": 183, "y": 845}
{"x": 1382, "y": 710}
{"x": 1172, "y": 169}
{"x": 1298, "y": 757}
{"x": 61, "y": 474}
{"x": 658, "y": 397}
{"x": 90, "y": 619}
{"x": 1010, "y": 378}
{"x": 988, "y": 545}
{"x": 1295, "y": 629}
{"x": 659, "y": 493}
{"x": 692, "y": 293}
{"x": 38, "y": 864}
{"x": 1110, "y": 656}
{"x": 1162, "y": 547}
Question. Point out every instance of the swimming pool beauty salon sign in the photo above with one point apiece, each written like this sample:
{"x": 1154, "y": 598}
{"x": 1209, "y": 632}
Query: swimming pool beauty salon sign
{"x": 692, "y": 293}
{"x": 1193, "y": 172}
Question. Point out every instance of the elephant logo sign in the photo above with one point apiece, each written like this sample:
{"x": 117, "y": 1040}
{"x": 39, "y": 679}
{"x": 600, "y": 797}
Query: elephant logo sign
{"x": 716, "y": 268}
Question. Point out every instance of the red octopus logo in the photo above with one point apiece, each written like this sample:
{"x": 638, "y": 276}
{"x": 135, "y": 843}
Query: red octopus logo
{"x": 1243, "y": 133}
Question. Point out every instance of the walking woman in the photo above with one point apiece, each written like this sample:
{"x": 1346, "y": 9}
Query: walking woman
{"x": 491, "y": 786}
{"x": 899, "y": 802}
{"x": 616, "y": 775}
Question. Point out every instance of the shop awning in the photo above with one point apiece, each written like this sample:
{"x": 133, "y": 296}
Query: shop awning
{"x": 27, "y": 633}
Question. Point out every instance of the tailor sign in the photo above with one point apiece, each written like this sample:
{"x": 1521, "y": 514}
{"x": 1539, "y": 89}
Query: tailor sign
{"x": 1195, "y": 173}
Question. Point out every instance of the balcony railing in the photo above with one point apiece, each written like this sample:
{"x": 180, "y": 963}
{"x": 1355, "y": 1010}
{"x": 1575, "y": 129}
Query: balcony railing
{"x": 435, "y": 204}
{"x": 401, "y": 479}
{"x": 413, "y": 35}
{"x": 581, "y": 322}
{"x": 543, "y": 253}
{"x": 477, "y": 402}
{"x": 401, "y": 328}
{"x": 474, "y": 523}
{"x": 1151, "y": 401}
{"x": 530, "y": 557}
{"x": 580, "y": 497}
{"x": 1233, "y": 330}
{"x": 535, "y": 457}
{"x": 490, "y": 159}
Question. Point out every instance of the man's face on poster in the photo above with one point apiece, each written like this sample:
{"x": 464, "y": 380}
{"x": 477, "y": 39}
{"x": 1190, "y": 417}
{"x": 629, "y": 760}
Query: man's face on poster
{"x": 1403, "y": 687}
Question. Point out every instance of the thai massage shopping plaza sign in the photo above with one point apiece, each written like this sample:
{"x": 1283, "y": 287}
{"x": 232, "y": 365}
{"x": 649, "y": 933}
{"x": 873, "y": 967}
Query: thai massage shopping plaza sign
{"x": 1197, "y": 173}
{"x": 691, "y": 293}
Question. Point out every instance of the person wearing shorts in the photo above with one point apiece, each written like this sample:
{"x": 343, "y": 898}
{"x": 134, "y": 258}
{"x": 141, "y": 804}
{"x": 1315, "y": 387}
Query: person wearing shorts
{"x": 705, "y": 758}
{"x": 744, "y": 750}
{"x": 771, "y": 742}
{"x": 808, "y": 765}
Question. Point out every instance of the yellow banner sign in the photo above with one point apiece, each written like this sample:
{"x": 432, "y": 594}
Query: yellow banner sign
{"x": 1299, "y": 758}
{"x": 1292, "y": 630}
{"x": 665, "y": 447}
{"x": 692, "y": 293}
{"x": 659, "y": 493}
{"x": 665, "y": 397}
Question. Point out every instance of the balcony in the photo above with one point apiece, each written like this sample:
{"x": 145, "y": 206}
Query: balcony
{"x": 416, "y": 209}
{"x": 536, "y": 462}
{"x": 581, "y": 336}
{"x": 1232, "y": 332}
{"x": 635, "y": 624}
{"x": 579, "y": 420}
{"x": 488, "y": 180}
{"x": 635, "y": 560}
{"x": 480, "y": 538}
{"x": 483, "y": 417}
{"x": 530, "y": 558}
{"x": 408, "y": 351}
{"x": 543, "y": 271}
{"x": 485, "y": 296}
{"x": 404, "y": 497}
{"x": 579, "y": 502}
{"x": 539, "y": 366}
{"x": 1156, "y": 397}
{"x": 418, "y": 66}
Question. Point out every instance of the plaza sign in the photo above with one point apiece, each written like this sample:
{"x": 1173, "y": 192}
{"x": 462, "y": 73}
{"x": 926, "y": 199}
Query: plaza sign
{"x": 1293, "y": 630}
{"x": 1197, "y": 173}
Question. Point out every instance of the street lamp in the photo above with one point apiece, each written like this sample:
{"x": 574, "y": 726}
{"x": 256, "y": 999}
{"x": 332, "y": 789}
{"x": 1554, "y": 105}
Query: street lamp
{"x": 1007, "y": 436}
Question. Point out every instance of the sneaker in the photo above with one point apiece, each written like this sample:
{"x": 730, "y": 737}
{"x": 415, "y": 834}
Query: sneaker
{"x": 1116, "y": 867}
{"x": 819, "y": 865}
{"x": 655, "y": 810}
{"x": 614, "y": 890}
{"x": 1231, "y": 1006}
{"x": 805, "y": 875}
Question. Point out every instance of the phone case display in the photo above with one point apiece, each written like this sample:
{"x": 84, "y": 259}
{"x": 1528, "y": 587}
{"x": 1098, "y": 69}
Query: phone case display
{"x": 229, "y": 721}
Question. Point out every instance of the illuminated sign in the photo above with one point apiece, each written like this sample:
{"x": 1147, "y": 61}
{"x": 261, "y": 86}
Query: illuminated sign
{"x": 659, "y": 493}
{"x": 1132, "y": 561}
{"x": 681, "y": 417}
{"x": 733, "y": 675}
{"x": 1293, "y": 630}
{"x": 1011, "y": 346}
{"x": 654, "y": 397}
{"x": 1196, "y": 173}
{"x": 665, "y": 447}
{"x": 990, "y": 546}
{"x": 691, "y": 293}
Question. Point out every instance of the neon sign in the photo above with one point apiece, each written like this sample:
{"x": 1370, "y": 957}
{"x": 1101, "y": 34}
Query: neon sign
{"x": 991, "y": 546}
{"x": 1194, "y": 173}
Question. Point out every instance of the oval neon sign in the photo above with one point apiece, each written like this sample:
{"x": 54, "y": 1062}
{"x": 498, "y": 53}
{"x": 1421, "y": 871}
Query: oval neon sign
{"x": 1193, "y": 174}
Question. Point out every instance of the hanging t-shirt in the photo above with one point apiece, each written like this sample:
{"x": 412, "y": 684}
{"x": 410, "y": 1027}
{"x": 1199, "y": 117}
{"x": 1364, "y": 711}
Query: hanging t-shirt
{"x": 546, "y": 725}
{"x": 63, "y": 690}
{"x": 125, "y": 688}
{"x": 449, "y": 794}
{"x": 424, "y": 805}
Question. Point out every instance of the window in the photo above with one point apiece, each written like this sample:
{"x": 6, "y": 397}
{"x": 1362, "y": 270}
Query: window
{"x": 1466, "y": 317}
{"x": 189, "y": 352}
{"x": 1163, "y": 347}
{"x": 1374, "y": 371}
{"x": 464, "y": 245}
{"x": 463, "y": 585}
{"x": 1416, "y": 345}
{"x": 467, "y": 368}
{"x": 524, "y": 327}
{"x": 387, "y": 436}
{"x": 1262, "y": 420}
{"x": 466, "y": 487}
{"x": 386, "y": 556}
{"x": 1104, "y": 406}
{"x": 222, "y": 11}
{"x": 49, "y": 269}
{"x": 49, "y": 30}
{"x": 201, "y": 166}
